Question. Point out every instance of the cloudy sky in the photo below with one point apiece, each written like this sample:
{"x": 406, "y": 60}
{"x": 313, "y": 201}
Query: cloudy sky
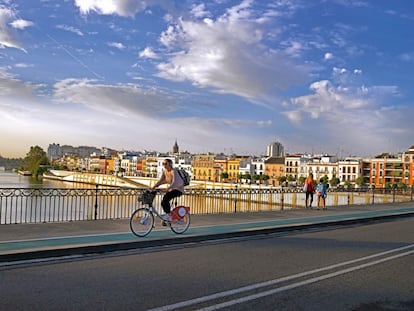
{"x": 322, "y": 76}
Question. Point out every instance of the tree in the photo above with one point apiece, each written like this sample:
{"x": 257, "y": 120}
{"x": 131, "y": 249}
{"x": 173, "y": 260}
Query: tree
{"x": 334, "y": 181}
{"x": 360, "y": 181}
{"x": 224, "y": 176}
{"x": 255, "y": 177}
{"x": 281, "y": 180}
{"x": 10, "y": 163}
{"x": 290, "y": 178}
{"x": 36, "y": 161}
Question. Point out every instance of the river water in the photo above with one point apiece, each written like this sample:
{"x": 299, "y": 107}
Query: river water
{"x": 21, "y": 201}
{"x": 10, "y": 179}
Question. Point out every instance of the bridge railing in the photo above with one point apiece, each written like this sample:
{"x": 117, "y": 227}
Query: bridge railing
{"x": 36, "y": 205}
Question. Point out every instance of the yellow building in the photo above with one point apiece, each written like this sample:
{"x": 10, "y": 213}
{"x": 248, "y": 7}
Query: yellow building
{"x": 203, "y": 167}
{"x": 233, "y": 166}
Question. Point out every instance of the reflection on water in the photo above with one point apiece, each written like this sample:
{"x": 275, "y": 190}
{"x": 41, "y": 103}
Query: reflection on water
{"x": 14, "y": 180}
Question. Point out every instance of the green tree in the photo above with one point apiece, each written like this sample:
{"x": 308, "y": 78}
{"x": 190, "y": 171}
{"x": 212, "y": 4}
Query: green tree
{"x": 334, "y": 181}
{"x": 224, "y": 176}
{"x": 325, "y": 179}
{"x": 10, "y": 163}
{"x": 401, "y": 185}
{"x": 360, "y": 181}
{"x": 36, "y": 161}
{"x": 290, "y": 178}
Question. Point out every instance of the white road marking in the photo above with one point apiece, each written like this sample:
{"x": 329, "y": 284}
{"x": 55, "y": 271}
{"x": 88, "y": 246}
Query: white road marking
{"x": 287, "y": 278}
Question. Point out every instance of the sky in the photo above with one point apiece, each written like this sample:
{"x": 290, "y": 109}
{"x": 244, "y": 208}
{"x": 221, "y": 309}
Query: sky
{"x": 322, "y": 76}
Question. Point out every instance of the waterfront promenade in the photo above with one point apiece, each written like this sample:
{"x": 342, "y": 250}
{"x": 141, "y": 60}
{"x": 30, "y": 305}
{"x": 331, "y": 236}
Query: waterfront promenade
{"x": 76, "y": 238}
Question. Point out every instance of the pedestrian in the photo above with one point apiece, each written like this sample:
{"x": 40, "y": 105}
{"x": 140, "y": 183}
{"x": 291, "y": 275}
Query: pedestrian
{"x": 175, "y": 187}
{"x": 321, "y": 192}
{"x": 309, "y": 190}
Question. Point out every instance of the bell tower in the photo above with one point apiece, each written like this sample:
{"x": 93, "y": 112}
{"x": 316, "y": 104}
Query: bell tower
{"x": 175, "y": 149}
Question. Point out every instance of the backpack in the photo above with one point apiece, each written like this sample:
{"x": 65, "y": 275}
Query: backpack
{"x": 184, "y": 176}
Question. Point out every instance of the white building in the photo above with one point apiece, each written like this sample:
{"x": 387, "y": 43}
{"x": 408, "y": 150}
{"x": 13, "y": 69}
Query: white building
{"x": 349, "y": 169}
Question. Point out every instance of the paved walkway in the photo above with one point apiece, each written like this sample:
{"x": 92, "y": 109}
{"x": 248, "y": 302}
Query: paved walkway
{"x": 31, "y": 241}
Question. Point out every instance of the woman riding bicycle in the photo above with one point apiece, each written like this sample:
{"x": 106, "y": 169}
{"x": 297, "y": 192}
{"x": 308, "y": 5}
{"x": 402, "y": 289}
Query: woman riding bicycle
{"x": 175, "y": 189}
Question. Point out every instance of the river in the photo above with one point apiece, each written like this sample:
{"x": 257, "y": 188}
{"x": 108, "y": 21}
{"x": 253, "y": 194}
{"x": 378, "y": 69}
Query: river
{"x": 10, "y": 179}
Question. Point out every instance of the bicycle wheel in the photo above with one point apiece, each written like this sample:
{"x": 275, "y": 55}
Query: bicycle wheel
{"x": 141, "y": 222}
{"x": 180, "y": 226}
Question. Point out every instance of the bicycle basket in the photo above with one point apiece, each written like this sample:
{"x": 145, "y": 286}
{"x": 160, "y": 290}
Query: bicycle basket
{"x": 147, "y": 197}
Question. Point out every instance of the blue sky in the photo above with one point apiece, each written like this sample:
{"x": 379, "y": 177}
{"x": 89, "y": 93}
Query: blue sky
{"x": 322, "y": 76}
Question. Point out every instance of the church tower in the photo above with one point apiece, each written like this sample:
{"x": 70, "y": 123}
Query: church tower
{"x": 175, "y": 149}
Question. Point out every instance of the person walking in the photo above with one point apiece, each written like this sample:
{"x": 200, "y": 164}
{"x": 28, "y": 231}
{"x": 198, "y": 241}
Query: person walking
{"x": 309, "y": 190}
{"x": 175, "y": 187}
{"x": 321, "y": 192}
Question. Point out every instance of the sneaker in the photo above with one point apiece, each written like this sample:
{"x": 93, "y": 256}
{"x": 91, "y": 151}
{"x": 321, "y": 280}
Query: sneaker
{"x": 167, "y": 217}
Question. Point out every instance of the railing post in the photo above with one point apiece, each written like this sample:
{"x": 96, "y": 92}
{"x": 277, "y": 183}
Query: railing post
{"x": 96, "y": 203}
{"x": 373, "y": 196}
{"x": 235, "y": 200}
{"x": 393, "y": 194}
{"x": 282, "y": 199}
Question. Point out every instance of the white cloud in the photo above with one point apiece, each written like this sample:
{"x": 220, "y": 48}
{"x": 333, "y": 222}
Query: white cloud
{"x": 13, "y": 87}
{"x": 328, "y": 56}
{"x": 223, "y": 54}
{"x": 148, "y": 53}
{"x": 117, "y": 45}
{"x": 7, "y": 37}
{"x": 70, "y": 29}
{"x": 349, "y": 115}
{"x": 339, "y": 70}
{"x": 21, "y": 24}
{"x": 122, "y": 99}
{"x": 126, "y": 8}
{"x": 199, "y": 11}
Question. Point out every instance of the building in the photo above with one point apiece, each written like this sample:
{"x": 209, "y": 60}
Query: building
{"x": 203, "y": 167}
{"x": 274, "y": 168}
{"x": 275, "y": 150}
{"x": 408, "y": 161}
{"x": 54, "y": 152}
{"x": 349, "y": 170}
{"x": 175, "y": 149}
{"x": 292, "y": 164}
{"x": 387, "y": 171}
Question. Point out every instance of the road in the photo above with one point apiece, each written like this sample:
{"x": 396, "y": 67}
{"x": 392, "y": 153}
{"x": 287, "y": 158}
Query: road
{"x": 349, "y": 268}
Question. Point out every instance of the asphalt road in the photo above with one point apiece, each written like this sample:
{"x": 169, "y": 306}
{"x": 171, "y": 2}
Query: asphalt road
{"x": 363, "y": 267}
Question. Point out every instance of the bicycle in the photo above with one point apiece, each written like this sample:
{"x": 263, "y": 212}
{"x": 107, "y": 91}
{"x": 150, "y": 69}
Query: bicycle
{"x": 142, "y": 219}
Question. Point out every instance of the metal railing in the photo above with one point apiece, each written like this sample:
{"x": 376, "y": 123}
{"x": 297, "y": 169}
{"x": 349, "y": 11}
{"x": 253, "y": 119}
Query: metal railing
{"x": 33, "y": 205}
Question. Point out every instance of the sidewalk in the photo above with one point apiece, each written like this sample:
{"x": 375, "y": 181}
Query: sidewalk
{"x": 32, "y": 241}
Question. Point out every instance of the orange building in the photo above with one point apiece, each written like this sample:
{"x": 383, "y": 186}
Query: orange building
{"x": 274, "y": 168}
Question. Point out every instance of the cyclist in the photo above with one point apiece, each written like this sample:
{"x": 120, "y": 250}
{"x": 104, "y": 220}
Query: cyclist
{"x": 175, "y": 187}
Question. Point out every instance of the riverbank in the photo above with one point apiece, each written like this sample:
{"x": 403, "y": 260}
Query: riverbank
{"x": 24, "y": 173}
{"x": 92, "y": 179}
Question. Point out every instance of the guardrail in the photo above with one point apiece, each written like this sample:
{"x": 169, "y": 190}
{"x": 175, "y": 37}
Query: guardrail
{"x": 36, "y": 205}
